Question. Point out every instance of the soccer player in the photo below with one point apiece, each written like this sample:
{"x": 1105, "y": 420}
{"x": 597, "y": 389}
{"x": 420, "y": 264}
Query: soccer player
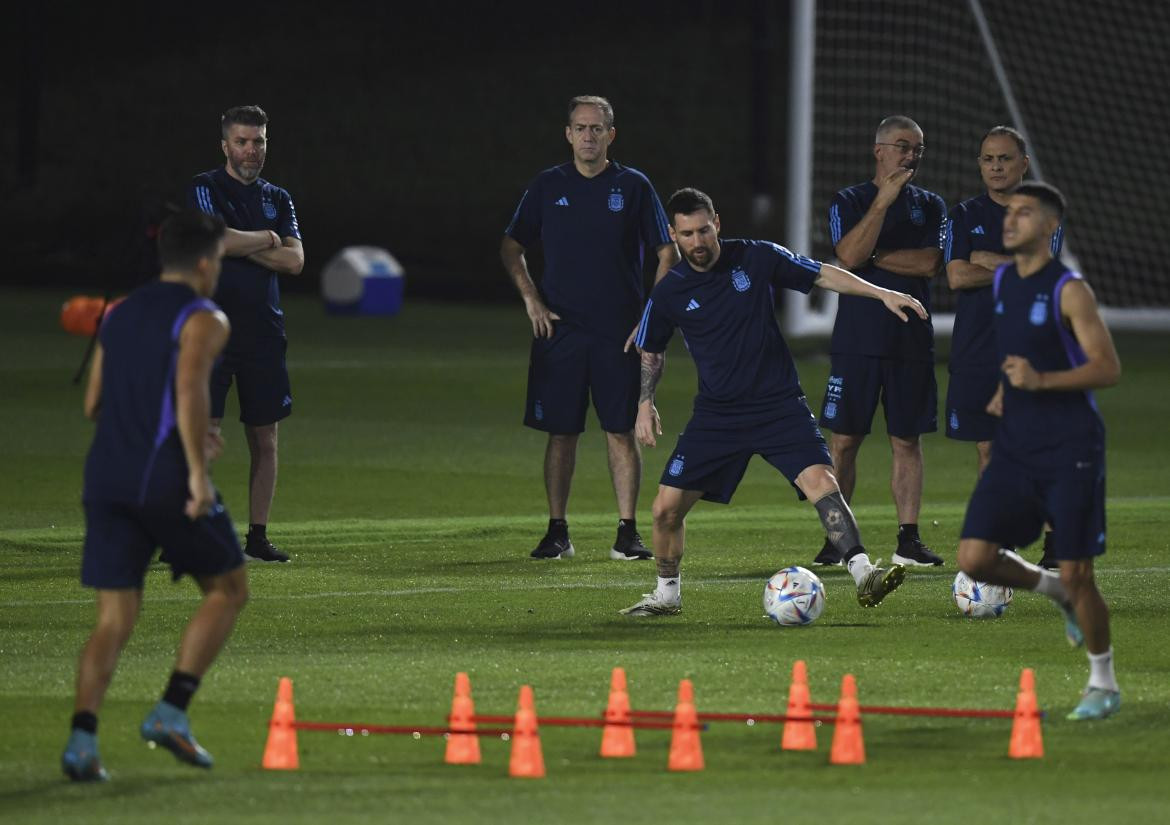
{"x": 594, "y": 217}
{"x": 148, "y": 483}
{"x": 887, "y": 230}
{"x": 1048, "y": 456}
{"x": 749, "y": 401}
{"x": 263, "y": 239}
{"x": 972, "y": 250}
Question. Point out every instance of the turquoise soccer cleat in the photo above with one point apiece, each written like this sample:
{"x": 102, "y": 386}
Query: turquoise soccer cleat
{"x": 168, "y": 727}
{"x": 1096, "y": 703}
{"x": 80, "y": 761}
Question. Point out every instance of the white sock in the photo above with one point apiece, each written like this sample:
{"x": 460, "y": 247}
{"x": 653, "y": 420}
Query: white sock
{"x": 858, "y": 567}
{"x": 669, "y": 589}
{"x": 1101, "y": 671}
{"x": 1049, "y": 584}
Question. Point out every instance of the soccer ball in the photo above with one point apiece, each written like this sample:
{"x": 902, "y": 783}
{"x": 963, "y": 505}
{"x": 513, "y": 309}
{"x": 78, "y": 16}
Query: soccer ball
{"x": 794, "y": 596}
{"x": 979, "y": 600}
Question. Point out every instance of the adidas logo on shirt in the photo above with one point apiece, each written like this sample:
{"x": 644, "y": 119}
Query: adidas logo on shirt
{"x": 978, "y": 231}
{"x": 563, "y": 201}
{"x": 692, "y": 305}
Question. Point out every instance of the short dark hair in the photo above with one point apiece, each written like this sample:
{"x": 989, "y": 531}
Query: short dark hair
{"x": 688, "y": 201}
{"x": 187, "y": 236}
{"x": 244, "y": 116}
{"x": 1014, "y": 134}
{"x": 1046, "y": 193}
{"x": 593, "y": 100}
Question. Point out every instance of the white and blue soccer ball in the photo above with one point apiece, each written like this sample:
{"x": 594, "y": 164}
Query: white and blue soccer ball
{"x": 794, "y": 596}
{"x": 978, "y": 599}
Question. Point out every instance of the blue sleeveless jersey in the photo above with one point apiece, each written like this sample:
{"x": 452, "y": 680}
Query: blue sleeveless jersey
{"x": 1051, "y": 432}
{"x": 136, "y": 457}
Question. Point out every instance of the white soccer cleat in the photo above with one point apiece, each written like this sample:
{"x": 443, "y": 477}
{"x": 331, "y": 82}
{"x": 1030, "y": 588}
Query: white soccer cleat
{"x": 653, "y": 604}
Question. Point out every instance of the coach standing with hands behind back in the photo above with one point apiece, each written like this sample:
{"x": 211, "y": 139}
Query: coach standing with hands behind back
{"x": 263, "y": 239}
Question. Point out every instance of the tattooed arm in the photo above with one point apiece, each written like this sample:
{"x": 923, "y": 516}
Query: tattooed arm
{"x": 649, "y": 425}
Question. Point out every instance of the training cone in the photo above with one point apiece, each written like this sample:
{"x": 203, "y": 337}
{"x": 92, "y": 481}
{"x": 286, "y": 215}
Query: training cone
{"x": 799, "y": 735}
{"x": 848, "y": 746}
{"x": 280, "y": 754}
{"x": 1027, "y": 742}
{"x": 527, "y": 760}
{"x": 686, "y": 751}
{"x": 462, "y": 748}
{"x": 617, "y": 738}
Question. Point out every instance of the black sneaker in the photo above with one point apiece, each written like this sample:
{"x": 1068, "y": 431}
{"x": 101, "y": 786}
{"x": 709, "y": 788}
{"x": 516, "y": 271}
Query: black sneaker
{"x": 629, "y": 547}
{"x": 263, "y": 550}
{"x": 913, "y": 553}
{"x": 553, "y": 548}
{"x": 828, "y": 555}
{"x": 1046, "y": 560}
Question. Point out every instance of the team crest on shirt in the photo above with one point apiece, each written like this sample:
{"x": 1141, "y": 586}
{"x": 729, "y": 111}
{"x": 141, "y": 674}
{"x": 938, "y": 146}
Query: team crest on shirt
{"x": 538, "y": 411}
{"x": 616, "y": 201}
{"x": 999, "y": 308}
{"x": 269, "y": 207}
{"x": 1039, "y": 313}
{"x": 917, "y": 216}
{"x": 830, "y": 409}
{"x": 676, "y": 466}
{"x": 954, "y": 421}
{"x": 740, "y": 279}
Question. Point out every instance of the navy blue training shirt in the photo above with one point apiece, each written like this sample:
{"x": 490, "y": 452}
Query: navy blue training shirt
{"x": 136, "y": 456}
{"x": 595, "y": 233}
{"x": 864, "y": 326}
{"x": 976, "y": 225}
{"x": 727, "y": 317}
{"x": 248, "y": 292}
{"x": 1050, "y": 432}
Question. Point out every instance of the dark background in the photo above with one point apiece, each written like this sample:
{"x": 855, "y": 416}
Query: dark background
{"x": 417, "y": 128}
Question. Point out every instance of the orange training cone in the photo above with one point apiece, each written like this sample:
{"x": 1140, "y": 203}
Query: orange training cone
{"x": 1027, "y": 742}
{"x": 527, "y": 759}
{"x": 799, "y": 736}
{"x": 617, "y": 738}
{"x": 686, "y": 751}
{"x": 848, "y": 747}
{"x": 462, "y": 748}
{"x": 280, "y": 754}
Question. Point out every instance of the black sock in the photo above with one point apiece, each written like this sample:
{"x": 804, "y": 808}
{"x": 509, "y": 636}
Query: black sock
{"x": 180, "y": 689}
{"x": 257, "y": 532}
{"x": 86, "y": 721}
{"x": 558, "y": 527}
{"x": 856, "y": 551}
{"x": 908, "y": 532}
{"x": 629, "y": 525}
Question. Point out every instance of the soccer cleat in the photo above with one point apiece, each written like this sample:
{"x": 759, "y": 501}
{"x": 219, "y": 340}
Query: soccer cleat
{"x": 80, "y": 761}
{"x": 913, "y": 553}
{"x": 263, "y": 550}
{"x": 1072, "y": 628}
{"x": 828, "y": 555}
{"x": 629, "y": 547}
{"x": 169, "y": 727}
{"x": 553, "y": 548}
{"x": 879, "y": 583}
{"x": 1096, "y": 703}
{"x": 654, "y": 605}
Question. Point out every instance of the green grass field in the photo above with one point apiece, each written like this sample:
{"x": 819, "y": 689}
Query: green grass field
{"x": 409, "y": 497}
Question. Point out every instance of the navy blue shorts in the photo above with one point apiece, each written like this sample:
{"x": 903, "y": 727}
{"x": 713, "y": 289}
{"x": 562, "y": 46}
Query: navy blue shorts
{"x": 1009, "y": 507}
{"x": 967, "y": 397}
{"x": 120, "y": 540}
{"x": 907, "y": 390}
{"x": 566, "y": 370}
{"x": 261, "y": 382}
{"x": 712, "y": 455}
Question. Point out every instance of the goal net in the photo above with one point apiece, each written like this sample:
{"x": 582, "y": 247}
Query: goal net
{"x": 1087, "y": 83}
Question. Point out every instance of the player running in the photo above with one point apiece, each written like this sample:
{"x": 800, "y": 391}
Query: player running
{"x": 147, "y": 484}
{"x": 1048, "y": 456}
{"x": 750, "y": 400}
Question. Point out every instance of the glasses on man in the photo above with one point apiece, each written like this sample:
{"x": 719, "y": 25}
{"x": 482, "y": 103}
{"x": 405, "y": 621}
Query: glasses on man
{"x": 918, "y": 149}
